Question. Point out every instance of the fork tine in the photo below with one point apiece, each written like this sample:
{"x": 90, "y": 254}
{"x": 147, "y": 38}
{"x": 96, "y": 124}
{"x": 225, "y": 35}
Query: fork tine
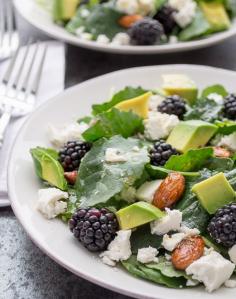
{"x": 38, "y": 76}
{"x": 9, "y": 22}
{"x": 30, "y": 69}
{"x": 2, "y": 23}
{"x": 10, "y": 68}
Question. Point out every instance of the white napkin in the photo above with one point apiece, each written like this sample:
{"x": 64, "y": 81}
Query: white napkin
{"x": 52, "y": 83}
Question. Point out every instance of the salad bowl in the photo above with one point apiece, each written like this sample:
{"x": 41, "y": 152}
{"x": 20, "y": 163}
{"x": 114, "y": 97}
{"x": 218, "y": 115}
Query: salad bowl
{"x": 42, "y": 19}
{"x": 53, "y": 236}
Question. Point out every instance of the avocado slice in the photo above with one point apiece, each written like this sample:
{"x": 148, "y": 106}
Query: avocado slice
{"x": 216, "y": 15}
{"x": 177, "y": 84}
{"x": 138, "y": 214}
{"x": 138, "y": 105}
{"x": 64, "y": 10}
{"x": 214, "y": 192}
{"x": 48, "y": 168}
{"x": 147, "y": 190}
{"x": 191, "y": 134}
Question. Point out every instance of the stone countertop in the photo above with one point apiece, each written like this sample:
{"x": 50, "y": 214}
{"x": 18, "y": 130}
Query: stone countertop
{"x": 27, "y": 273}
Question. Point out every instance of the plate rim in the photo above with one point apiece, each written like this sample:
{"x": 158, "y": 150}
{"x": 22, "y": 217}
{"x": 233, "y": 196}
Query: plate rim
{"x": 13, "y": 199}
{"x": 156, "y": 49}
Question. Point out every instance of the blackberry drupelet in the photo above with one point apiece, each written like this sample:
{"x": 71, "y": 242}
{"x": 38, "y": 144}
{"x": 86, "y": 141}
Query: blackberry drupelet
{"x": 146, "y": 32}
{"x": 71, "y": 154}
{"x": 165, "y": 17}
{"x": 94, "y": 228}
{"x": 173, "y": 105}
{"x": 161, "y": 152}
{"x": 230, "y": 106}
{"x": 222, "y": 227}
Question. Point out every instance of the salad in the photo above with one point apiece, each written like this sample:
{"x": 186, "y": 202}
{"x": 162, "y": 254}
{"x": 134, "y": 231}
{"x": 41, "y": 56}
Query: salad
{"x": 147, "y": 182}
{"x": 142, "y": 22}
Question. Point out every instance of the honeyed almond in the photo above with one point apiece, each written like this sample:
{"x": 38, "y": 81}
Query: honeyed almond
{"x": 221, "y": 152}
{"x": 170, "y": 191}
{"x": 128, "y": 21}
{"x": 188, "y": 250}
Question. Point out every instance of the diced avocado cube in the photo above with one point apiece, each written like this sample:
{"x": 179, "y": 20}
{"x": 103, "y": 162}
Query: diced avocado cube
{"x": 216, "y": 15}
{"x": 214, "y": 192}
{"x": 64, "y": 10}
{"x": 138, "y": 214}
{"x": 138, "y": 105}
{"x": 191, "y": 134}
{"x": 180, "y": 85}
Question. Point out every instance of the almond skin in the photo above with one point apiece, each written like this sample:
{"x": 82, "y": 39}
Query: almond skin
{"x": 128, "y": 21}
{"x": 188, "y": 250}
{"x": 170, "y": 191}
{"x": 221, "y": 152}
{"x": 71, "y": 176}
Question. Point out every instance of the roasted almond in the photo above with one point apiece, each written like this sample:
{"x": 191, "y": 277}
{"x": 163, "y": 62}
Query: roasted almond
{"x": 221, "y": 152}
{"x": 188, "y": 250}
{"x": 128, "y": 21}
{"x": 170, "y": 191}
{"x": 71, "y": 176}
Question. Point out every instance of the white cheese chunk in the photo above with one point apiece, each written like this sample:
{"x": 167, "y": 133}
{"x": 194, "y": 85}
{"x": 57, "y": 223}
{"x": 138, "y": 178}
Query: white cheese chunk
{"x": 192, "y": 283}
{"x": 146, "y": 7}
{"x": 155, "y": 101}
{"x": 121, "y": 39}
{"x": 103, "y": 39}
{"x": 189, "y": 231}
{"x": 119, "y": 249}
{"x": 171, "y": 221}
{"x": 113, "y": 155}
{"x": 228, "y": 141}
{"x": 170, "y": 242}
{"x": 147, "y": 255}
{"x": 50, "y": 202}
{"x": 129, "y": 7}
{"x": 186, "y": 11}
{"x": 159, "y": 125}
{"x": 232, "y": 254}
{"x": 147, "y": 191}
{"x": 213, "y": 270}
{"x": 60, "y": 135}
{"x": 230, "y": 283}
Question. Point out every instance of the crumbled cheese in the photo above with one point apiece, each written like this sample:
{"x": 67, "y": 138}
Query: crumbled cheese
{"x": 213, "y": 270}
{"x": 155, "y": 101}
{"x": 119, "y": 249}
{"x": 173, "y": 39}
{"x": 62, "y": 134}
{"x": 84, "y": 13}
{"x": 232, "y": 254}
{"x": 159, "y": 125}
{"x": 50, "y": 202}
{"x": 129, "y": 7}
{"x": 230, "y": 283}
{"x": 103, "y": 39}
{"x": 228, "y": 141}
{"x": 189, "y": 231}
{"x": 216, "y": 97}
{"x": 192, "y": 283}
{"x": 186, "y": 11}
{"x": 171, "y": 221}
{"x": 86, "y": 36}
{"x": 170, "y": 242}
{"x": 208, "y": 251}
{"x": 113, "y": 155}
{"x": 146, "y": 7}
{"x": 147, "y": 255}
{"x": 121, "y": 39}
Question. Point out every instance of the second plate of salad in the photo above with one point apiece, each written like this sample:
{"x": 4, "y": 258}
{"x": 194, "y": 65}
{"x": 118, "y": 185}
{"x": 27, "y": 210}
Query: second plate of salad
{"x": 128, "y": 180}
{"x": 134, "y": 26}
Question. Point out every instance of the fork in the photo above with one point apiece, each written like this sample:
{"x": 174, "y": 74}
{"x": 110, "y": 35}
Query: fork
{"x": 20, "y": 83}
{"x": 9, "y": 39}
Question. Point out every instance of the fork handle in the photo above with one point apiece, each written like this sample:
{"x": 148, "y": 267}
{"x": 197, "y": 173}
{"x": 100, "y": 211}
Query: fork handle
{"x": 4, "y": 121}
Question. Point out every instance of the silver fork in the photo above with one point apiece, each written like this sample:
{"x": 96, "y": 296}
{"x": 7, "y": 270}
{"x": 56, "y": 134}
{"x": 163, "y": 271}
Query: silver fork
{"x": 19, "y": 86}
{"x": 9, "y": 39}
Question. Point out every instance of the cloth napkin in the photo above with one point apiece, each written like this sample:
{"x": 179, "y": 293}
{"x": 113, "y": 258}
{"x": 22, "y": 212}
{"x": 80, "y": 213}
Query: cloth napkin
{"x": 52, "y": 83}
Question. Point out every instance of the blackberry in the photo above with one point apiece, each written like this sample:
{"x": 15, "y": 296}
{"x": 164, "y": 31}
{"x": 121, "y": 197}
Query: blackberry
{"x": 165, "y": 17}
{"x": 71, "y": 154}
{"x": 222, "y": 227}
{"x": 230, "y": 106}
{"x": 161, "y": 152}
{"x": 173, "y": 105}
{"x": 146, "y": 32}
{"x": 94, "y": 228}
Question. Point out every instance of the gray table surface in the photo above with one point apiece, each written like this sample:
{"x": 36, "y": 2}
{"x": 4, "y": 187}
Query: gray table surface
{"x": 25, "y": 272}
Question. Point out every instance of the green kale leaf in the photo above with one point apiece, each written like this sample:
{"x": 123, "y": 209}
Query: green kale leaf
{"x": 226, "y": 127}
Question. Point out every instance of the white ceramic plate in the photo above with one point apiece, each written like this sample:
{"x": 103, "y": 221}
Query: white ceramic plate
{"x": 53, "y": 237}
{"x": 41, "y": 19}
